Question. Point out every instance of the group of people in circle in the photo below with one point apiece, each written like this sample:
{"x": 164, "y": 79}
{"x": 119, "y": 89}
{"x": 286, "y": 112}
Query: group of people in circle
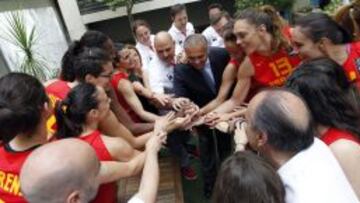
{"x": 284, "y": 97}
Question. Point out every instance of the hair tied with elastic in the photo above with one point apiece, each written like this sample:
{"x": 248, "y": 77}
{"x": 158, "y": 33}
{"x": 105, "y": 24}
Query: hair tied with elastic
{"x": 64, "y": 108}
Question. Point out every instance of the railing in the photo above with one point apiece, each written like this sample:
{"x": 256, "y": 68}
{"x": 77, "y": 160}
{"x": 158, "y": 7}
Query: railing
{"x": 88, "y": 6}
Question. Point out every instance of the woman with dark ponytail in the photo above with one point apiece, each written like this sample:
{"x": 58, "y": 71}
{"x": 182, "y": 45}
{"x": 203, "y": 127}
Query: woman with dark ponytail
{"x": 325, "y": 88}
{"x": 94, "y": 66}
{"x": 79, "y": 115}
{"x": 24, "y": 109}
{"x": 58, "y": 88}
{"x": 67, "y": 67}
{"x": 318, "y": 35}
{"x": 90, "y": 39}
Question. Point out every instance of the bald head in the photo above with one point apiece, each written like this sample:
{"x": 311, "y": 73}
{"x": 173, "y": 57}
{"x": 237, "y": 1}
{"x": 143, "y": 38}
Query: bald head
{"x": 60, "y": 171}
{"x": 162, "y": 37}
{"x": 284, "y": 118}
{"x": 165, "y": 46}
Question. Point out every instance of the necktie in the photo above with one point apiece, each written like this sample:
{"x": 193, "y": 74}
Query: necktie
{"x": 208, "y": 80}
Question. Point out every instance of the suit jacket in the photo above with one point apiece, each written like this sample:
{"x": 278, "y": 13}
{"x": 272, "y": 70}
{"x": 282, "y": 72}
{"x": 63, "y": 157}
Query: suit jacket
{"x": 190, "y": 83}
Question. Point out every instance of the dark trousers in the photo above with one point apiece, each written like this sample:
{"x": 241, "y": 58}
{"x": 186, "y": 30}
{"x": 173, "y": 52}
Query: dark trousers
{"x": 212, "y": 153}
{"x": 177, "y": 142}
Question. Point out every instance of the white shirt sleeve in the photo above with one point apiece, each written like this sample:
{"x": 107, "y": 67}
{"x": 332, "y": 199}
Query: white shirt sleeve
{"x": 135, "y": 199}
{"x": 191, "y": 29}
{"x": 207, "y": 35}
{"x": 155, "y": 76}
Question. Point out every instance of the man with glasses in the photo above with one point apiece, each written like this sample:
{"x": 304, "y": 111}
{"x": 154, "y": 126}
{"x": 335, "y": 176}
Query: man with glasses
{"x": 199, "y": 80}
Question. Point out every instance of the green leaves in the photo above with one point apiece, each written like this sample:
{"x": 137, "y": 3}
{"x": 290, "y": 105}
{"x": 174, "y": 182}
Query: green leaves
{"x": 26, "y": 41}
{"x": 279, "y": 4}
{"x": 331, "y": 8}
{"x": 113, "y": 4}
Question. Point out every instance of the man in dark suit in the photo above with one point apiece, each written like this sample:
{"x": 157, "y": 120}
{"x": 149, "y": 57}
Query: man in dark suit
{"x": 199, "y": 80}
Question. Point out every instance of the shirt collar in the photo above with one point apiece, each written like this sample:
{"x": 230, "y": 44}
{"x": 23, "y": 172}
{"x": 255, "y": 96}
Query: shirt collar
{"x": 164, "y": 63}
{"x": 207, "y": 63}
{"x": 178, "y": 31}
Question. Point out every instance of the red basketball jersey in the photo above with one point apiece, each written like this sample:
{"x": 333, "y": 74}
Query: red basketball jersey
{"x": 352, "y": 63}
{"x": 333, "y": 135}
{"x": 56, "y": 91}
{"x": 273, "y": 70}
{"x": 106, "y": 192}
{"x": 115, "y": 82}
{"x": 10, "y": 166}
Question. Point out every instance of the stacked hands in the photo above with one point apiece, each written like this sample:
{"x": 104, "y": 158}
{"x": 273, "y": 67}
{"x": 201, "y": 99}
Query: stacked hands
{"x": 232, "y": 122}
{"x": 188, "y": 115}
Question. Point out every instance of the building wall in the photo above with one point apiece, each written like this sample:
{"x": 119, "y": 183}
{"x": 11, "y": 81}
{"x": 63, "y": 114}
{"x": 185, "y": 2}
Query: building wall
{"x": 119, "y": 29}
{"x": 51, "y": 40}
{"x": 3, "y": 66}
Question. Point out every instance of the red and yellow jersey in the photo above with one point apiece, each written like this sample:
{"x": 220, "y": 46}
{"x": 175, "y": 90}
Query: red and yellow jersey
{"x": 10, "y": 166}
{"x": 106, "y": 192}
{"x": 56, "y": 91}
{"x": 272, "y": 71}
{"x": 116, "y": 78}
{"x": 352, "y": 63}
{"x": 333, "y": 135}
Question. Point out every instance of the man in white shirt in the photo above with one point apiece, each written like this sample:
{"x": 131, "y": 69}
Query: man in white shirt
{"x": 180, "y": 28}
{"x": 144, "y": 41}
{"x": 281, "y": 129}
{"x": 161, "y": 76}
{"x": 161, "y": 73}
{"x": 218, "y": 19}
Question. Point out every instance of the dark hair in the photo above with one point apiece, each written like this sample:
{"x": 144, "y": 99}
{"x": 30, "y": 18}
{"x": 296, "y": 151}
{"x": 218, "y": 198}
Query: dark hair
{"x": 284, "y": 133}
{"x": 319, "y": 25}
{"x": 247, "y": 178}
{"x": 228, "y": 32}
{"x": 22, "y": 98}
{"x": 330, "y": 96}
{"x": 71, "y": 112}
{"x": 67, "y": 62}
{"x": 215, "y": 19}
{"x": 94, "y": 38}
{"x": 90, "y": 61}
{"x": 215, "y": 5}
{"x": 257, "y": 18}
{"x": 91, "y": 38}
{"x": 138, "y": 23}
{"x": 348, "y": 16}
{"x": 176, "y": 9}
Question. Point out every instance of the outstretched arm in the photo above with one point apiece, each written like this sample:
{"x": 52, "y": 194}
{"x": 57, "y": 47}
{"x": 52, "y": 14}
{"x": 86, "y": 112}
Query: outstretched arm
{"x": 151, "y": 175}
{"x": 242, "y": 87}
{"x": 111, "y": 171}
{"x": 112, "y": 127}
{"x": 126, "y": 89}
{"x": 124, "y": 118}
{"x": 228, "y": 78}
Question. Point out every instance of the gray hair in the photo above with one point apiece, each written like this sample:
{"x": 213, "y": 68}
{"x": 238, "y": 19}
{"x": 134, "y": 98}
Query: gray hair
{"x": 285, "y": 118}
{"x": 195, "y": 40}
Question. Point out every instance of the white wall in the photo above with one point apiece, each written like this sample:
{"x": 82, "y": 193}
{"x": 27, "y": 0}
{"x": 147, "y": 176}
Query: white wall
{"x": 51, "y": 39}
